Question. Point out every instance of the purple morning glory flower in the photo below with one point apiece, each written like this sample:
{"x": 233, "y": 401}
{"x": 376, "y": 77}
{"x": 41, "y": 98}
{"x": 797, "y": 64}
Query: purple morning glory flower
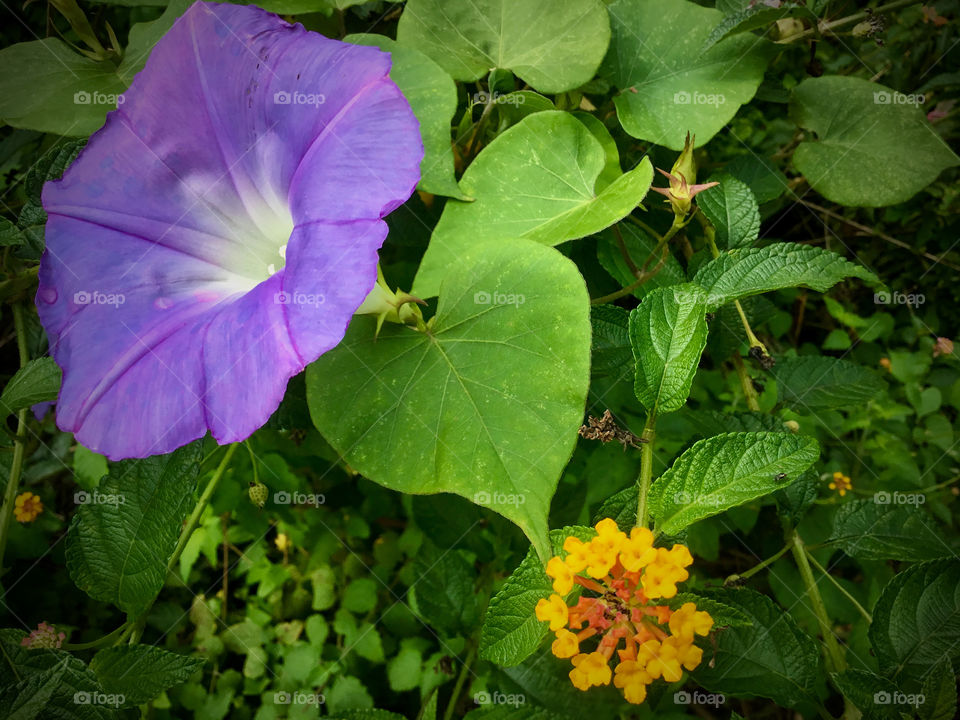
{"x": 217, "y": 234}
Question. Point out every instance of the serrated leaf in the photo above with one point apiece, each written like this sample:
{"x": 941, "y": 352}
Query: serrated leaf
{"x": 741, "y": 273}
{"x": 727, "y": 470}
{"x": 549, "y": 165}
{"x": 771, "y": 657}
{"x": 621, "y": 507}
{"x": 141, "y": 672}
{"x": 754, "y": 17}
{"x": 668, "y": 332}
{"x": 733, "y": 210}
{"x": 667, "y": 87}
{"x": 870, "y": 530}
{"x": 552, "y": 52}
{"x": 795, "y": 499}
{"x": 118, "y": 545}
{"x": 863, "y": 688}
{"x": 916, "y": 621}
{"x": 817, "y": 382}
{"x": 511, "y": 631}
{"x": 486, "y": 403}
{"x": 939, "y": 690}
{"x": 37, "y": 381}
{"x": 611, "y": 351}
{"x": 872, "y": 146}
{"x": 444, "y": 590}
{"x": 432, "y": 95}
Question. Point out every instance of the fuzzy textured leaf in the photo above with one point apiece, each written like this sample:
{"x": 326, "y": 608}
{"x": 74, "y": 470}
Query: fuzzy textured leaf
{"x": 817, "y": 382}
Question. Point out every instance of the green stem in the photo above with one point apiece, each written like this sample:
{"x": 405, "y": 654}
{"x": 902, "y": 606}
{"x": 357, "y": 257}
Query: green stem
{"x": 660, "y": 249}
{"x": 461, "y": 679}
{"x": 19, "y": 447}
{"x": 746, "y": 382}
{"x": 759, "y": 566}
{"x": 833, "y": 654}
{"x": 866, "y": 616}
{"x": 634, "y": 270}
{"x": 105, "y": 640}
{"x": 647, "y": 437}
{"x": 825, "y": 26}
{"x": 201, "y": 505}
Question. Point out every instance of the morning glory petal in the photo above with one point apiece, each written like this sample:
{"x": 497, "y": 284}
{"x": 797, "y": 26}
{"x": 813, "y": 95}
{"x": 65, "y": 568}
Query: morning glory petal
{"x": 217, "y": 234}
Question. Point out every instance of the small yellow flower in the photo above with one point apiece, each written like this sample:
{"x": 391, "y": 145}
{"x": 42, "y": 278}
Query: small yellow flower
{"x": 566, "y": 645}
{"x": 578, "y": 553}
{"x": 661, "y": 659}
{"x": 841, "y": 483}
{"x": 562, "y": 575}
{"x": 282, "y": 541}
{"x": 631, "y": 677}
{"x": 27, "y": 507}
{"x": 552, "y": 610}
{"x": 638, "y": 551}
{"x": 687, "y": 621}
{"x": 589, "y": 670}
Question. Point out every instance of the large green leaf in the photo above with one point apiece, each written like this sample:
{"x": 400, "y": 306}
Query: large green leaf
{"x": 727, "y": 470}
{"x": 939, "y": 693}
{"x": 863, "y": 689}
{"x": 667, "y": 86}
{"x": 817, "y": 382}
{"x": 432, "y": 95}
{"x": 511, "y": 631}
{"x": 872, "y": 146}
{"x": 552, "y": 51}
{"x": 538, "y": 180}
{"x": 37, "y": 381}
{"x": 485, "y": 404}
{"x": 46, "y": 86}
{"x": 877, "y": 529}
{"x": 916, "y": 621}
{"x": 123, "y": 534}
{"x": 770, "y": 657}
{"x": 141, "y": 672}
{"x": 668, "y": 332}
{"x": 740, "y": 273}
{"x": 732, "y": 209}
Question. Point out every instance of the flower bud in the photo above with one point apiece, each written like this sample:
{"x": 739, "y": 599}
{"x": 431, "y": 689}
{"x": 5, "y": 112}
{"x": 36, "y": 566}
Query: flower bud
{"x": 682, "y": 177}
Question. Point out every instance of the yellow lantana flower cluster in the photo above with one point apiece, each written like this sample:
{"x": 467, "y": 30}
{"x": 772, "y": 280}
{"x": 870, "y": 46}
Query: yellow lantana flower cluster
{"x": 841, "y": 483}
{"x": 624, "y": 573}
{"x": 27, "y": 507}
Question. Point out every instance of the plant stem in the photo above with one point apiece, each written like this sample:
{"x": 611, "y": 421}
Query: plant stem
{"x": 660, "y": 249}
{"x": 822, "y": 26}
{"x": 624, "y": 251}
{"x": 202, "y": 503}
{"x": 749, "y": 391}
{"x": 646, "y": 466}
{"x": 461, "y": 679}
{"x": 833, "y": 654}
{"x": 105, "y": 640}
{"x": 759, "y": 566}
{"x": 19, "y": 448}
{"x": 866, "y": 616}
